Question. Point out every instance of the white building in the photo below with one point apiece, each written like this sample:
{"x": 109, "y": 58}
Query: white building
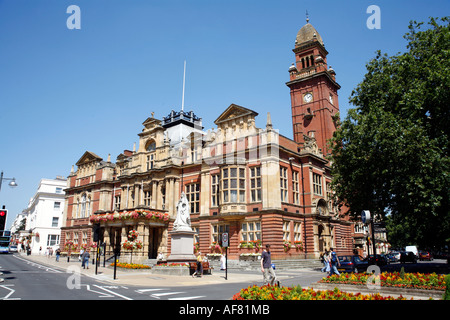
{"x": 45, "y": 215}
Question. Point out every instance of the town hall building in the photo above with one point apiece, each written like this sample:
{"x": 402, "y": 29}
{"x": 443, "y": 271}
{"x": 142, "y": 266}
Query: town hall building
{"x": 253, "y": 183}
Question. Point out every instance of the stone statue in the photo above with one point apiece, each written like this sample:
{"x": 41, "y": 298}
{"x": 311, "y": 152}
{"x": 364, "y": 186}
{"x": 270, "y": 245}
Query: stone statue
{"x": 183, "y": 219}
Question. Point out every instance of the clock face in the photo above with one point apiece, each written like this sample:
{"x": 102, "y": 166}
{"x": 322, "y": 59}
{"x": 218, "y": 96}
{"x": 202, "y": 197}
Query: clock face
{"x": 308, "y": 97}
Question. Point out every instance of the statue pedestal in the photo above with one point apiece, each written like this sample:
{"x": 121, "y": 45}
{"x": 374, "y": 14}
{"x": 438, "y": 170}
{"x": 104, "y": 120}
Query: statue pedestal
{"x": 182, "y": 247}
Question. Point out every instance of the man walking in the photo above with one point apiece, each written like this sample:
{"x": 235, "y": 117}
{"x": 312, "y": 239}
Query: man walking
{"x": 334, "y": 263}
{"x": 266, "y": 267}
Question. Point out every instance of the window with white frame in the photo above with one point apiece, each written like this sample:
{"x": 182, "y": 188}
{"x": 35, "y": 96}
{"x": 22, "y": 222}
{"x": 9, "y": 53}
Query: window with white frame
{"x": 55, "y": 221}
{"x": 52, "y": 240}
{"x": 148, "y": 198}
{"x": 297, "y": 231}
{"x": 283, "y": 184}
{"x": 57, "y": 205}
{"x": 287, "y": 231}
{"x": 193, "y": 196}
{"x": 295, "y": 188}
{"x": 233, "y": 185}
{"x": 255, "y": 184}
{"x": 251, "y": 231}
{"x": 317, "y": 184}
{"x": 117, "y": 202}
{"x": 218, "y": 230}
{"x": 214, "y": 190}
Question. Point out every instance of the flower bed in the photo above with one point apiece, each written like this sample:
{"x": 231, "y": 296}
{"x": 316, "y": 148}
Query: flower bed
{"x": 130, "y": 265}
{"x": 431, "y": 281}
{"x": 297, "y": 293}
{"x": 173, "y": 264}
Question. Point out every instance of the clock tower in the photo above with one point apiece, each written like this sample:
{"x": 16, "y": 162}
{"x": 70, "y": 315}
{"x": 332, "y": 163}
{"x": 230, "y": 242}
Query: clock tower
{"x": 313, "y": 87}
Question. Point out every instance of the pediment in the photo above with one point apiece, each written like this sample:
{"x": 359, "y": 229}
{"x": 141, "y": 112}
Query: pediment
{"x": 88, "y": 157}
{"x": 234, "y": 112}
{"x": 151, "y": 122}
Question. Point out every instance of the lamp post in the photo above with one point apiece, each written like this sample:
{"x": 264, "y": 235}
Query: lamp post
{"x": 12, "y": 184}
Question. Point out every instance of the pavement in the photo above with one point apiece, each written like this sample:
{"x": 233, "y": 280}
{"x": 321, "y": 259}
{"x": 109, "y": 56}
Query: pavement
{"x": 142, "y": 277}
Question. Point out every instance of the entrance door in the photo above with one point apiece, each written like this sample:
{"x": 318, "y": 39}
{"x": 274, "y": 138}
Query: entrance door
{"x": 153, "y": 242}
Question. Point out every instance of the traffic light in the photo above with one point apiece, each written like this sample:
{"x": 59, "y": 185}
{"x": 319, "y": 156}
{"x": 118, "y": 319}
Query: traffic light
{"x": 3, "y": 214}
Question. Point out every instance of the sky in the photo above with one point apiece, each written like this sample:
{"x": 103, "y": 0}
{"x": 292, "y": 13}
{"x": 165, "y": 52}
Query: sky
{"x": 64, "y": 91}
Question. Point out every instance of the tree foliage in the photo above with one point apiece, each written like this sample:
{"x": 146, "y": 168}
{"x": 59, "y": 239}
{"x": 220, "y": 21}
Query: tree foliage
{"x": 390, "y": 154}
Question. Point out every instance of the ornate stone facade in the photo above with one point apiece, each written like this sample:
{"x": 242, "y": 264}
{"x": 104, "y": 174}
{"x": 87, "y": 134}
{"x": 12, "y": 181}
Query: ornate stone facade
{"x": 253, "y": 183}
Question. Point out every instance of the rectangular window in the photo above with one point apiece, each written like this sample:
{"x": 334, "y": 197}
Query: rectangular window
{"x": 214, "y": 190}
{"x": 147, "y": 198}
{"x": 251, "y": 231}
{"x": 297, "y": 231}
{"x": 218, "y": 230}
{"x": 233, "y": 185}
{"x": 55, "y": 221}
{"x": 255, "y": 184}
{"x": 117, "y": 202}
{"x": 286, "y": 231}
{"x": 283, "y": 184}
{"x": 57, "y": 205}
{"x": 317, "y": 184}
{"x": 193, "y": 196}
{"x": 59, "y": 190}
{"x": 52, "y": 240}
{"x": 295, "y": 188}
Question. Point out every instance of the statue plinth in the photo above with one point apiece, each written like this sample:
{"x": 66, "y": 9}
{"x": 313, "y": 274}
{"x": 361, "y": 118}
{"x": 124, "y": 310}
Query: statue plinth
{"x": 182, "y": 246}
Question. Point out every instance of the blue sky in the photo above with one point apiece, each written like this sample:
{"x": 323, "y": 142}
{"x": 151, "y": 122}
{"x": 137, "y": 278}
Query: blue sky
{"x": 64, "y": 91}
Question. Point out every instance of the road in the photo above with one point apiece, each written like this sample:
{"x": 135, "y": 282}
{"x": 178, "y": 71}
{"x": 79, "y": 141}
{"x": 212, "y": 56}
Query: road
{"x": 28, "y": 280}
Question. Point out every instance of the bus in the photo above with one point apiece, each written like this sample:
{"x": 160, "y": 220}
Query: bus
{"x": 5, "y": 237}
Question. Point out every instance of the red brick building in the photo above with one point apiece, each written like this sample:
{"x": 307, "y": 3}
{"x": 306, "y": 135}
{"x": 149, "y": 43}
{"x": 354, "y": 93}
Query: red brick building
{"x": 257, "y": 185}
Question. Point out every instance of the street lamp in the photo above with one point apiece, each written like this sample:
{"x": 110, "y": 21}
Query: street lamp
{"x": 12, "y": 184}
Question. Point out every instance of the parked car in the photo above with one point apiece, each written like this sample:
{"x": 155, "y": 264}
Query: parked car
{"x": 425, "y": 255}
{"x": 379, "y": 260}
{"x": 393, "y": 257}
{"x": 412, "y": 249}
{"x": 13, "y": 248}
{"x": 408, "y": 256}
{"x": 352, "y": 264}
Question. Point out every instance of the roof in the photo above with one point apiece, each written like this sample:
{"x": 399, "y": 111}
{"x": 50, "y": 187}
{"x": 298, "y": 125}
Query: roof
{"x": 308, "y": 33}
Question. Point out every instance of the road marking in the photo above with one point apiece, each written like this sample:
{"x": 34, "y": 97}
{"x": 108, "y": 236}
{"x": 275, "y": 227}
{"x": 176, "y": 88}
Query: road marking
{"x": 112, "y": 292}
{"x": 146, "y": 290}
{"x": 11, "y": 291}
{"x": 39, "y": 266}
{"x": 158, "y": 295}
{"x": 187, "y": 298}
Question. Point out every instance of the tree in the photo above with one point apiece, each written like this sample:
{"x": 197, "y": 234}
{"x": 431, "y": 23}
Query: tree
{"x": 390, "y": 154}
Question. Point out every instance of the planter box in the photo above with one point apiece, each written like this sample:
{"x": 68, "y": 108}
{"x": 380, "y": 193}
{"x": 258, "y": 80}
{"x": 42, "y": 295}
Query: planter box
{"x": 173, "y": 271}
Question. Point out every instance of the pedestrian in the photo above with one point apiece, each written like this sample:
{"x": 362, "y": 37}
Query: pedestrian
{"x": 326, "y": 262}
{"x": 85, "y": 259}
{"x": 199, "y": 269}
{"x": 223, "y": 265}
{"x": 58, "y": 253}
{"x": 81, "y": 255}
{"x": 266, "y": 267}
{"x": 334, "y": 260}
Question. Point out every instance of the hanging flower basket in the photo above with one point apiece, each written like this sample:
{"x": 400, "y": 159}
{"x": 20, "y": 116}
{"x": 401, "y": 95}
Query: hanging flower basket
{"x": 130, "y": 215}
{"x": 132, "y": 235}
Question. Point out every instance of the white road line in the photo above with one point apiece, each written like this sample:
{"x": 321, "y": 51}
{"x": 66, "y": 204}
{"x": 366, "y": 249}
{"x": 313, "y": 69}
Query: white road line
{"x": 158, "y": 295}
{"x": 187, "y": 298}
{"x": 40, "y": 266}
{"x": 147, "y": 290}
{"x": 112, "y": 292}
{"x": 11, "y": 291}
